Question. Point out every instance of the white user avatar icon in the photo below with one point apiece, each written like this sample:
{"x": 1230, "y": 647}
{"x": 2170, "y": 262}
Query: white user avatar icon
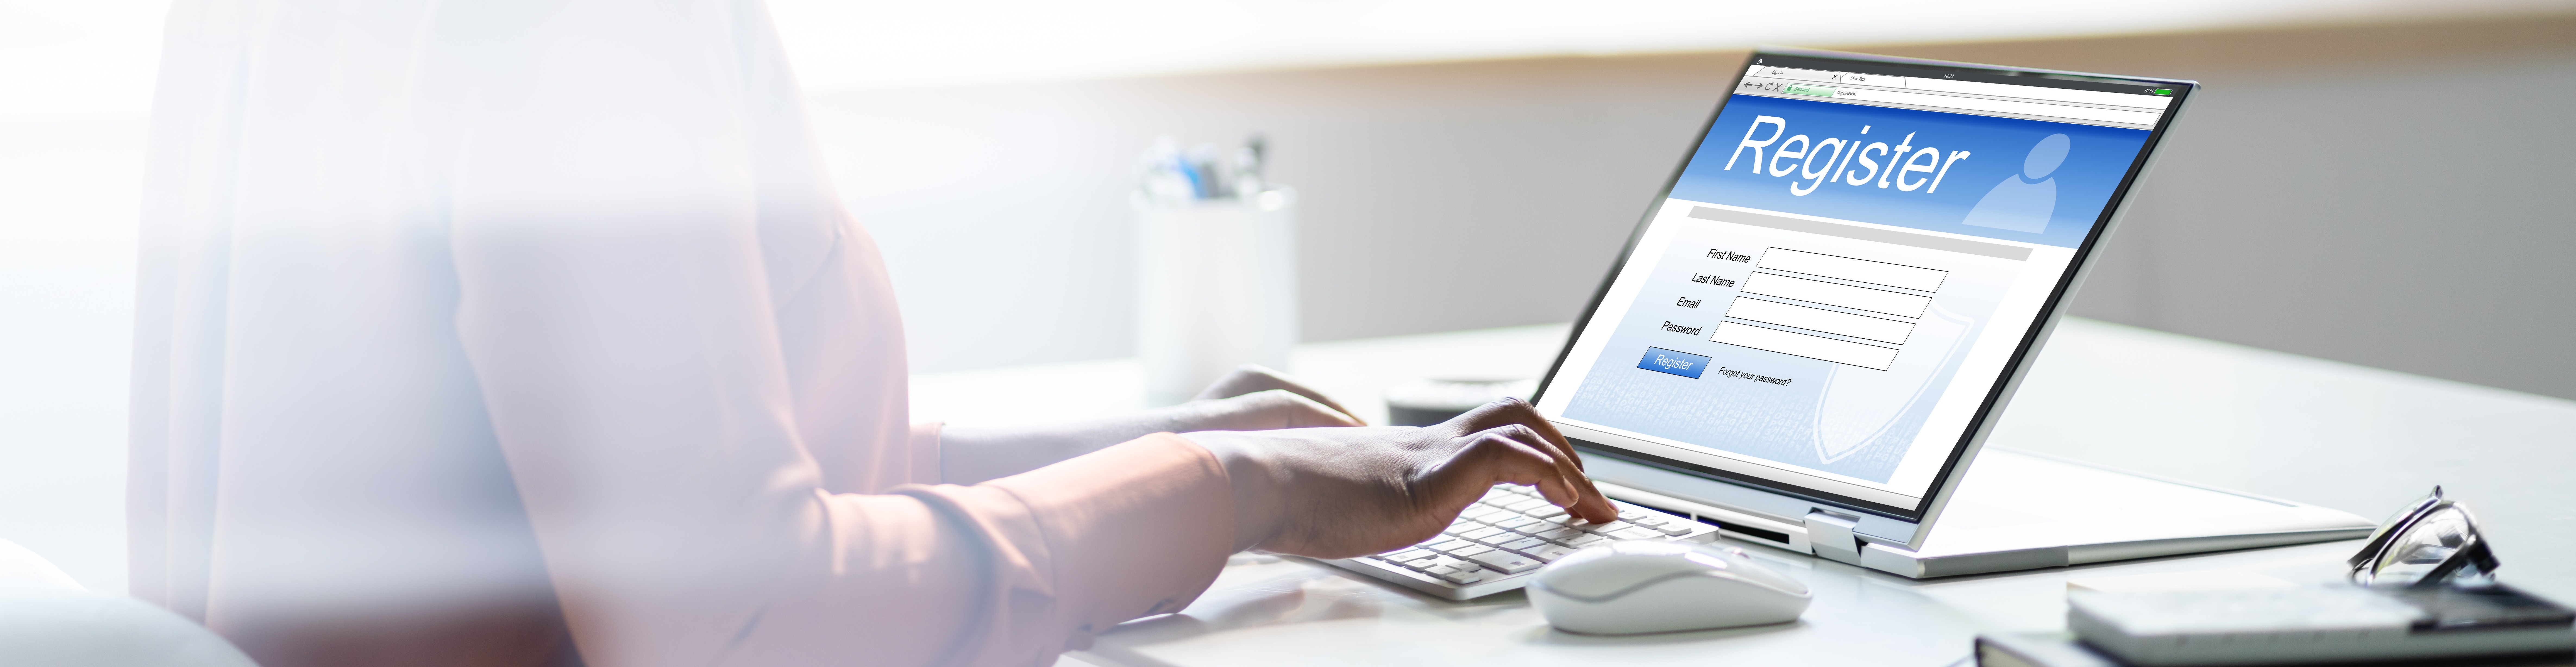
{"x": 2024, "y": 201}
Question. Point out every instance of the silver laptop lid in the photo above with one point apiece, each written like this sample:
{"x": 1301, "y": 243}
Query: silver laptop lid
{"x": 1838, "y": 289}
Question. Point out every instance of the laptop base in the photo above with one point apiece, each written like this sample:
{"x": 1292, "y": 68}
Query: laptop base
{"x": 2022, "y": 511}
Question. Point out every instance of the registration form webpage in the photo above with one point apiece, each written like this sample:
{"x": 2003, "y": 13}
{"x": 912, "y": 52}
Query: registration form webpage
{"x": 1843, "y": 271}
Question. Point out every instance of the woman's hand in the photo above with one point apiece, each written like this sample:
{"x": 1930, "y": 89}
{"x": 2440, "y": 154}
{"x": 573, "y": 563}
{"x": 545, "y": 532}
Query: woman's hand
{"x": 1251, "y": 398}
{"x": 1341, "y": 492}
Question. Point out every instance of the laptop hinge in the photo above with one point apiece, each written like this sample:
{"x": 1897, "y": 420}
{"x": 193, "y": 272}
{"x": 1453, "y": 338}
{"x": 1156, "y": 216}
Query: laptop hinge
{"x": 1830, "y": 535}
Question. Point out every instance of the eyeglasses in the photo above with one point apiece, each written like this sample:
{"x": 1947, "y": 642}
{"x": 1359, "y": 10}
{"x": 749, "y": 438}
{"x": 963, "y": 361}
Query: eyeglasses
{"x": 2433, "y": 542}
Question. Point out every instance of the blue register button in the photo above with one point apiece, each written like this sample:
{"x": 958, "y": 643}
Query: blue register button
{"x": 1683, "y": 364}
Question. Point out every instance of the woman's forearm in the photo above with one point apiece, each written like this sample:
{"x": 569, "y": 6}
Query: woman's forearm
{"x": 970, "y": 454}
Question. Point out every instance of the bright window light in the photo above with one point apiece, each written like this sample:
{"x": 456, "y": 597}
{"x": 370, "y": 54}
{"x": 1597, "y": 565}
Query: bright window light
{"x": 96, "y": 57}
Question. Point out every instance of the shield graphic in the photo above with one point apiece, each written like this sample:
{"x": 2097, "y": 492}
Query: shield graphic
{"x": 1859, "y": 404}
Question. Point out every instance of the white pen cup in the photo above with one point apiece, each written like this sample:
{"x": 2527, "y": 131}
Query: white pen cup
{"x": 1216, "y": 288}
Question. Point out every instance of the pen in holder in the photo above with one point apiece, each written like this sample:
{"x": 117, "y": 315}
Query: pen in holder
{"x": 1216, "y": 269}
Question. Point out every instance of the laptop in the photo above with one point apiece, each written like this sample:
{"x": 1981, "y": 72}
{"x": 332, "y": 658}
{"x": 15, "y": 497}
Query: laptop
{"x": 1809, "y": 336}
{"x": 1816, "y": 325}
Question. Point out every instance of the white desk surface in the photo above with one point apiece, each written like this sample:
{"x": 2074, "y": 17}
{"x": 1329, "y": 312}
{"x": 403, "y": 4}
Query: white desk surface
{"x": 2358, "y": 439}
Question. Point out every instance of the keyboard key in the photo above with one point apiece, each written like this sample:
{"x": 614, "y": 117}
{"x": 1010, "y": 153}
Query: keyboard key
{"x": 1524, "y": 545}
{"x": 1506, "y": 562}
{"x": 1422, "y": 563}
{"x": 1581, "y": 541}
{"x": 1550, "y": 552}
{"x": 1500, "y": 494}
{"x": 1445, "y": 561}
{"x": 1630, "y": 513}
{"x": 1526, "y": 504}
{"x": 1473, "y": 549}
{"x": 1449, "y": 545}
{"x": 1500, "y": 537}
{"x": 1604, "y": 528}
{"x": 1643, "y": 520}
{"x": 1675, "y": 529}
{"x": 1548, "y": 512}
{"x": 1480, "y": 533}
{"x": 1514, "y": 522}
{"x": 1635, "y": 533}
{"x": 1408, "y": 554}
{"x": 1536, "y": 527}
{"x": 1438, "y": 570}
{"x": 1457, "y": 576}
{"x": 1559, "y": 533}
{"x": 1484, "y": 512}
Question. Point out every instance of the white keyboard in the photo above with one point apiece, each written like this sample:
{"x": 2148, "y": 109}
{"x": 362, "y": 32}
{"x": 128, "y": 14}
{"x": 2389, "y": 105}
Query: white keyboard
{"x": 1501, "y": 540}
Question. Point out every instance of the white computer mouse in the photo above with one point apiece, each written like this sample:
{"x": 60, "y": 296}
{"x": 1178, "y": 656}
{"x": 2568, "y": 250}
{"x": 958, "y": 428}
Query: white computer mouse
{"x": 1626, "y": 588}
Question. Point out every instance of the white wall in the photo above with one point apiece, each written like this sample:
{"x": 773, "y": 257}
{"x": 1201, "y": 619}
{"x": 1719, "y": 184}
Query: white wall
{"x": 2412, "y": 217}
{"x": 1426, "y": 205}
{"x": 2406, "y": 216}
{"x": 68, "y": 203}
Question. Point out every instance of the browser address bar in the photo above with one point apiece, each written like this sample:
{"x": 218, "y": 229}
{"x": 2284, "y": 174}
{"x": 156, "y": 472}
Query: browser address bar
{"x": 1800, "y": 88}
{"x": 2151, "y": 99}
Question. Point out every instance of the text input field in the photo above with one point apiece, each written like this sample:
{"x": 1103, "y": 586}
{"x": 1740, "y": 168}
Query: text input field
{"x": 1856, "y": 270}
{"x": 1803, "y": 345}
{"x": 1837, "y": 294}
{"x": 1819, "y": 319}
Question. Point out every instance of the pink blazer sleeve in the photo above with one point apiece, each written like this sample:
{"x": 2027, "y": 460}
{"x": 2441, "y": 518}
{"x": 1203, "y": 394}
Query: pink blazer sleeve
{"x": 703, "y": 409}
{"x": 551, "y": 307}
{"x": 1012, "y": 571}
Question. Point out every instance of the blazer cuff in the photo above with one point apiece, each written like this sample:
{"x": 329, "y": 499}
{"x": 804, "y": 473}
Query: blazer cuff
{"x": 1135, "y": 529}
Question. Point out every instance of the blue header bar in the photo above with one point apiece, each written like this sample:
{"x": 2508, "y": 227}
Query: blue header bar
{"x": 2021, "y": 180}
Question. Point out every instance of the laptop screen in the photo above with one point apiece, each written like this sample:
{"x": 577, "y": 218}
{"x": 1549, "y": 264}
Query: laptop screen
{"x": 1833, "y": 290}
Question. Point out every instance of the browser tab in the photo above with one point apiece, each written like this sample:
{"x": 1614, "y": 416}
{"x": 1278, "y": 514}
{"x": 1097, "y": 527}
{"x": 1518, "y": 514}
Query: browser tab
{"x": 1798, "y": 74}
{"x": 1873, "y": 79}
